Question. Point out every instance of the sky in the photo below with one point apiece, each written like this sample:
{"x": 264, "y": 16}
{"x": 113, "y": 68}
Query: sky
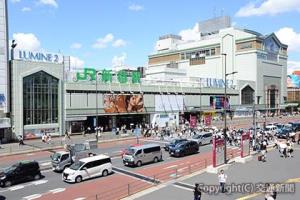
{"x": 106, "y": 33}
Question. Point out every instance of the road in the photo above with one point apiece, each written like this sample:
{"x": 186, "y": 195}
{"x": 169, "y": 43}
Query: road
{"x": 124, "y": 179}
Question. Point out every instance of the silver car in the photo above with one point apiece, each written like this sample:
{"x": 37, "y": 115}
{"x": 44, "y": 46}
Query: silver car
{"x": 203, "y": 138}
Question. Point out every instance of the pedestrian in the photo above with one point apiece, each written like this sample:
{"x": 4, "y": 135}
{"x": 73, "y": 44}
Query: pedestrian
{"x": 264, "y": 150}
{"x": 20, "y": 138}
{"x": 67, "y": 134}
{"x": 270, "y": 193}
{"x": 289, "y": 148}
{"x": 197, "y": 192}
{"x": 222, "y": 180}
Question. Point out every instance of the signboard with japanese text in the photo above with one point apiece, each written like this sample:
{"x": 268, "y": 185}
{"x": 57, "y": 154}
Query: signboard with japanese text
{"x": 218, "y": 152}
{"x": 121, "y": 103}
{"x": 193, "y": 121}
{"x": 245, "y": 145}
{"x": 207, "y": 119}
{"x": 107, "y": 76}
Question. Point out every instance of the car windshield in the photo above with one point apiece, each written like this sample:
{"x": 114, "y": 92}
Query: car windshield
{"x": 196, "y": 136}
{"x": 129, "y": 151}
{"x": 56, "y": 156}
{"x": 10, "y": 169}
{"x": 76, "y": 165}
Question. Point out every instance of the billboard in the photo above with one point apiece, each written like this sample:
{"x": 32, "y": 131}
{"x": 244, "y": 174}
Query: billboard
{"x": 121, "y": 103}
{"x": 218, "y": 102}
{"x": 218, "y": 152}
{"x": 38, "y": 133}
{"x": 166, "y": 103}
{"x": 293, "y": 81}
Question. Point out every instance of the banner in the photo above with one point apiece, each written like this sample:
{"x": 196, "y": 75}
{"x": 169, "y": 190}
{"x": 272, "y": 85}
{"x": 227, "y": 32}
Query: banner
{"x": 218, "y": 102}
{"x": 38, "y": 133}
{"x": 245, "y": 145}
{"x": 168, "y": 103}
{"x": 207, "y": 119}
{"x": 121, "y": 103}
{"x": 218, "y": 152}
{"x": 293, "y": 81}
{"x": 193, "y": 121}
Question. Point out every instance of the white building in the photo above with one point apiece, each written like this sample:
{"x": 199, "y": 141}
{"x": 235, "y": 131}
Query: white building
{"x": 259, "y": 60}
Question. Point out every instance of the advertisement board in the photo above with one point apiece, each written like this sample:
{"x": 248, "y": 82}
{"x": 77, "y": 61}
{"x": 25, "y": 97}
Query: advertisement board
{"x": 218, "y": 102}
{"x": 121, "y": 103}
{"x": 207, "y": 119}
{"x": 193, "y": 121}
{"x": 293, "y": 81}
{"x": 38, "y": 133}
{"x": 218, "y": 152}
{"x": 245, "y": 145}
{"x": 168, "y": 103}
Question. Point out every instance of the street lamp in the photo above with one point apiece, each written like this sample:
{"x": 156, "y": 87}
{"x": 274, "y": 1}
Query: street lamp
{"x": 97, "y": 129}
{"x": 225, "y": 107}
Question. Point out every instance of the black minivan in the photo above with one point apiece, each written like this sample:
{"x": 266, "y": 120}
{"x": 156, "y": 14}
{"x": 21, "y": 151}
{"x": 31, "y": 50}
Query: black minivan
{"x": 20, "y": 172}
{"x": 184, "y": 148}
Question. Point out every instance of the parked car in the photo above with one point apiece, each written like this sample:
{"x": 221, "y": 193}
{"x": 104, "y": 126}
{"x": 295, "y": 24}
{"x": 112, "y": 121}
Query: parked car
{"x": 88, "y": 168}
{"x": 184, "y": 148}
{"x": 20, "y": 172}
{"x": 143, "y": 154}
{"x": 203, "y": 138}
{"x": 173, "y": 143}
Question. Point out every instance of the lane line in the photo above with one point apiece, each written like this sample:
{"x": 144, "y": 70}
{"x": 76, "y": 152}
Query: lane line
{"x": 184, "y": 188}
{"x": 57, "y": 190}
{"x": 45, "y": 164}
{"x": 172, "y": 166}
{"x": 16, "y": 187}
{"x": 80, "y": 198}
{"x": 39, "y": 182}
{"x": 34, "y": 196}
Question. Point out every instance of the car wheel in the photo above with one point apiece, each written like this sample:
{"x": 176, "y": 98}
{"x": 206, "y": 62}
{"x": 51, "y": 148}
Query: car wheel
{"x": 7, "y": 183}
{"x": 139, "y": 163}
{"x": 78, "y": 179}
{"x": 104, "y": 173}
{"x": 37, "y": 177}
{"x": 155, "y": 160}
{"x": 200, "y": 143}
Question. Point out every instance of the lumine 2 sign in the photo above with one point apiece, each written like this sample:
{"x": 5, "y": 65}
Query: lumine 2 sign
{"x": 90, "y": 74}
{"x": 37, "y": 56}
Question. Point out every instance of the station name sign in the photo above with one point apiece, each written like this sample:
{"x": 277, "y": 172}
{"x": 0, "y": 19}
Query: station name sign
{"x": 37, "y": 56}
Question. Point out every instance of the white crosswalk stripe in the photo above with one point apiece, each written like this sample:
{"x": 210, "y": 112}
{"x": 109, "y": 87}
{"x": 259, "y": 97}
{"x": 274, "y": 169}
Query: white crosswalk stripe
{"x": 16, "y": 187}
{"x": 34, "y": 196}
{"x": 57, "y": 190}
{"x": 39, "y": 182}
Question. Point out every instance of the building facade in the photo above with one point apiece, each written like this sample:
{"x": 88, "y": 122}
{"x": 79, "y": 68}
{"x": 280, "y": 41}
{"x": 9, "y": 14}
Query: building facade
{"x": 259, "y": 62}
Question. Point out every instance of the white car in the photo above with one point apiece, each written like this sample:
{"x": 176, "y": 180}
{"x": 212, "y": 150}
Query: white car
{"x": 88, "y": 168}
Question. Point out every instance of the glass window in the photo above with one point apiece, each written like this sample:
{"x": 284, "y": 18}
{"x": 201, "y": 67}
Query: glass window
{"x": 40, "y": 99}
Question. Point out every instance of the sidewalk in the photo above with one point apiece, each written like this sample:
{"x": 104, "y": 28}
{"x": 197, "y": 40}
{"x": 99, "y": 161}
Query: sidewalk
{"x": 56, "y": 143}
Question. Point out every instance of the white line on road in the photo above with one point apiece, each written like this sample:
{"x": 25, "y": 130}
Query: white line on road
{"x": 34, "y": 196}
{"x": 39, "y": 182}
{"x": 172, "y": 166}
{"x": 117, "y": 152}
{"x": 48, "y": 170}
{"x": 45, "y": 164}
{"x": 183, "y": 188}
{"x": 181, "y": 169}
{"x": 16, "y": 187}
{"x": 80, "y": 198}
{"x": 30, "y": 154}
{"x": 57, "y": 190}
{"x": 115, "y": 157}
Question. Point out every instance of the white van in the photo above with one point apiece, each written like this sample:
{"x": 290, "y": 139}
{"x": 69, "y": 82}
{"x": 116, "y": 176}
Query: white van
{"x": 88, "y": 168}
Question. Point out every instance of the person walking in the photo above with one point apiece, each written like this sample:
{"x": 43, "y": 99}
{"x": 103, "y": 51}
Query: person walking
{"x": 222, "y": 180}
{"x": 67, "y": 135}
{"x": 264, "y": 150}
{"x": 197, "y": 192}
{"x": 289, "y": 148}
{"x": 20, "y": 138}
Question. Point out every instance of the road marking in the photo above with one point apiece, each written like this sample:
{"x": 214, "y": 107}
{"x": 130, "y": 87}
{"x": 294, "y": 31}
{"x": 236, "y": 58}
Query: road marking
{"x": 45, "y": 164}
{"x": 293, "y": 180}
{"x": 182, "y": 169}
{"x": 16, "y": 187}
{"x": 57, "y": 190}
{"x": 80, "y": 198}
{"x": 39, "y": 182}
{"x": 172, "y": 166}
{"x": 183, "y": 188}
{"x": 113, "y": 158}
{"x": 30, "y": 154}
{"x": 249, "y": 196}
{"x": 34, "y": 196}
{"x": 48, "y": 170}
{"x": 117, "y": 152}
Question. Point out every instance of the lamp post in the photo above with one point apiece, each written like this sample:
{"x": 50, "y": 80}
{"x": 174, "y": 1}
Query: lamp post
{"x": 225, "y": 107}
{"x": 97, "y": 129}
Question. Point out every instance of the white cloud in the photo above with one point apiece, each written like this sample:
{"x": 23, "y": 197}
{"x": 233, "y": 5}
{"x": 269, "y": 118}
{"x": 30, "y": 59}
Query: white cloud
{"x": 27, "y": 41}
{"x": 119, "y": 43}
{"x": 76, "y": 63}
{"x": 269, "y": 7}
{"x": 288, "y": 36}
{"x": 190, "y": 34}
{"x": 15, "y": 1}
{"x": 292, "y": 66}
{"x": 135, "y": 7}
{"x": 26, "y": 9}
{"x": 76, "y": 46}
{"x": 119, "y": 60}
{"x": 102, "y": 42}
{"x": 48, "y": 3}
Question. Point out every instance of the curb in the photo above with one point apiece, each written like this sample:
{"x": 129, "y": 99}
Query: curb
{"x": 60, "y": 147}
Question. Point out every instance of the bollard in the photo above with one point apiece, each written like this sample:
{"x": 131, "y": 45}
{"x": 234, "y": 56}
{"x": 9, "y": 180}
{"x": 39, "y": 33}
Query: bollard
{"x": 9, "y": 148}
{"x": 128, "y": 189}
{"x": 176, "y": 173}
{"x": 96, "y": 196}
